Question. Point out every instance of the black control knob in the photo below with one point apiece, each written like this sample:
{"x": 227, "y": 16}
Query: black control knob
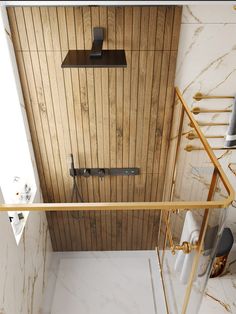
{"x": 101, "y": 172}
{"x": 86, "y": 172}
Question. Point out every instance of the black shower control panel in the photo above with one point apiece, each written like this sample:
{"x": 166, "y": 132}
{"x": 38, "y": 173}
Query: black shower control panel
{"x": 102, "y": 172}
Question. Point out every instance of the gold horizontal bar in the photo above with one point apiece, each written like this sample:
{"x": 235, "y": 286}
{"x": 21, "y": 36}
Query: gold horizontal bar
{"x": 167, "y": 206}
{"x": 192, "y": 136}
{"x": 190, "y": 148}
{"x": 200, "y": 96}
{"x": 208, "y": 123}
{"x": 197, "y": 110}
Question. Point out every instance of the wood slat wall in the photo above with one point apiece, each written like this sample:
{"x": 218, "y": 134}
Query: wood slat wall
{"x": 105, "y": 117}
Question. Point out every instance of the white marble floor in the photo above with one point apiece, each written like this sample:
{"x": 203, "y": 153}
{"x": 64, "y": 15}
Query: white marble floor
{"x": 123, "y": 283}
{"x": 105, "y": 283}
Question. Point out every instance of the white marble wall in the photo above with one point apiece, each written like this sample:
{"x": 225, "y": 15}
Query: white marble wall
{"x": 17, "y": 158}
{"x": 207, "y": 64}
{"x": 24, "y": 268}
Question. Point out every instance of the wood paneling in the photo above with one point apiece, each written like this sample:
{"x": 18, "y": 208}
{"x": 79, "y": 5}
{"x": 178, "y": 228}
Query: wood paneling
{"x": 105, "y": 117}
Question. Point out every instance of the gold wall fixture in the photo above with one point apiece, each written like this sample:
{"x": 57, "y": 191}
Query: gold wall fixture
{"x": 209, "y": 123}
{"x": 186, "y": 247}
{"x": 197, "y": 110}
{"x": 200, "y": 96}
{"x": 191, "y": 136}
{"x": 190, "y": 148}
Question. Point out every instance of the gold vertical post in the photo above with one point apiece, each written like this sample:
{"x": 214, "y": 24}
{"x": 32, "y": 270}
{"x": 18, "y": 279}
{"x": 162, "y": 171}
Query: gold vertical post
{"x": 167, "y": 219}
{"x": 162, "y": 280}
{"x": 200, "y": 242}
{"x": 159, "y": 233}
{"x": 167, "y": 230}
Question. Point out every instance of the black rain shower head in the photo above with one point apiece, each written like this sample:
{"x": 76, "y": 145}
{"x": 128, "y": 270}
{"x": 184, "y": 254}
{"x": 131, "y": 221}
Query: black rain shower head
{"x": 96, "y": 57}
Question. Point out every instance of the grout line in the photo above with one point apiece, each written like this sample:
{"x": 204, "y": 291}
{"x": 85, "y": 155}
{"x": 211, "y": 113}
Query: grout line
{"x": 153, "y": 291}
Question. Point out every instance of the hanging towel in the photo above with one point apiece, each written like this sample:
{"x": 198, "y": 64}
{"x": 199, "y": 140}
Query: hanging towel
{"x": 190, "y": 233}
{"x": 230, "y": 139}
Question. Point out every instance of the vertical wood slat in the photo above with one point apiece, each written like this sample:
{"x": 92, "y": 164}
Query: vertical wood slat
{"x": 119, "y": 121}
{"x": 105, "y": 216}
{"x": 64, "y": 106}
{"x": 105, "y": 117}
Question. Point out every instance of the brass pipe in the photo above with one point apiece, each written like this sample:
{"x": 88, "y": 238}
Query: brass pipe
{"x": 208, "y": 123}
{"x": 200, "y": 96}
{"x": 190, "y": 148}
{"x": 192, "y": 136}
{"x": 197, "y": 110}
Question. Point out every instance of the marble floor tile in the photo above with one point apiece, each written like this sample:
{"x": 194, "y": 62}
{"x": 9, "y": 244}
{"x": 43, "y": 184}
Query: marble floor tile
{"x": 126, "y": 282}
{"x": 108, "y": 282}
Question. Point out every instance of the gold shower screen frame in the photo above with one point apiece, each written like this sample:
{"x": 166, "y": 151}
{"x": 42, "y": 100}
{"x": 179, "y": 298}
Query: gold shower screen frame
{"x": 166, "y": 208}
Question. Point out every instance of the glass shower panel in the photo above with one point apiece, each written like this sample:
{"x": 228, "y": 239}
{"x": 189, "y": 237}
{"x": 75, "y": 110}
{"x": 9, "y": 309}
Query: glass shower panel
{"x": 185, "y": 274}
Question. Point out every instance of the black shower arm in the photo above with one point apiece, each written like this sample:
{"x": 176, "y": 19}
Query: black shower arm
{"x": 98, "y": 37}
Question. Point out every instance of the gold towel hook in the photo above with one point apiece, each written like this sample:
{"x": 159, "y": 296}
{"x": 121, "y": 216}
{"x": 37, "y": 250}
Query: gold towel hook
{"x": 190, "y": 148}
{"x": 197, "y": 110}
{"x": 200, "y": 96}
{"x": 192, "y": 136}
{"x": 208, "y": 124}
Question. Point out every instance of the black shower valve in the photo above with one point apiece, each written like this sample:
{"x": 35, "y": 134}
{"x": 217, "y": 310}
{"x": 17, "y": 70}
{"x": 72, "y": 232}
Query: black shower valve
{"x": 102, "y": 172}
